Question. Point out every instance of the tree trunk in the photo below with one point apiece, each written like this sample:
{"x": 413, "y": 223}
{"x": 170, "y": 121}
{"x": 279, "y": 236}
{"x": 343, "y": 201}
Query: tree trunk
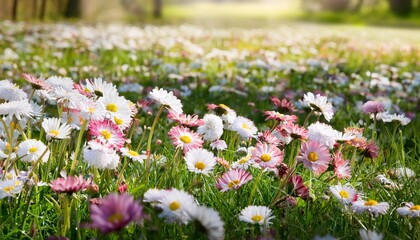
{"x": 358, "y": 6}
{"x": 14, "y": 10}
{"x": 73, "y": 9}
{"x": 157, "y": 8}
{"x": 43, "y": 6}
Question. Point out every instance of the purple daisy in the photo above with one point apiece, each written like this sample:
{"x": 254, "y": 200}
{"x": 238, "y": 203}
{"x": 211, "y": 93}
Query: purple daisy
{"x": 372, "y": 107}
{"x": 115, "y": 212}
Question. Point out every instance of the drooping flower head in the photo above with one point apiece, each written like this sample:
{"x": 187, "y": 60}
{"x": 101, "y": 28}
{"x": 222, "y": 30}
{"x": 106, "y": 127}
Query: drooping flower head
{"x": 185, "y": 138}
{"x": 373, "y": 107}
{"x": 283, "y": 105}
{"x": 233, "y": 179}
{"x": 167, "y": 99}
{"x": 36, "y": 83}
{"x": 319, "y": 104}
{"x": 297, "y": 187}
{"x": 69, "y": 184}
{"x": 115, "y": 212}
{"x": 261, "y": 215}
{"x": 314, "y": 156}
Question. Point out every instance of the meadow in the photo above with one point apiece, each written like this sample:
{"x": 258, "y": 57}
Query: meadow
{"x": 184, "y": 132}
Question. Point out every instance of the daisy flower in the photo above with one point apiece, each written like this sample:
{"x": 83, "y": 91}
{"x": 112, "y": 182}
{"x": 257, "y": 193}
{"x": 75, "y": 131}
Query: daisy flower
{"x": 342, "y": 168}
{"x": 233, "y": 179}
{"x": 36, "y": 83}
{"x": 212, "y": 128}
{"x": 322, "y": 133}
{"x": 100, "y": 156}
{"x": 227, "y": 114}
{"x": 371, "y": 206}
{"x": 370, "y": 235}
{"x": 56, "y": 130}
{"x": 315, "y": 156}
{"x": 184, "y": 138}
{"x": 200, "y": 160}
{"x": 185, "y": 120}
{"x": 319, "y": 104}
{"x": 410, "y": 210}
{"x": 399, "y": 118}
{"x": 154, "y": 195}
{"x": 10, "y": 187}
{"x": 402, "y": 172}
{"x": 133, "y": 155}
{"x": 99, "y": 87}
{"x": 115, "y": 212}
{"x": 60, "y": 82}
{"x": 261, "y": 215}
{"x": 244, "y": 127}
{"x": 31, "y": 150}
{"x": 19, "y": 109}
{"x": 209, "y": 220}
{"x": 11, "y": 92}
{"x": 266, "y": 155}
{"x": 283, "y": 105}
{"x": 373, "y": 107}
{"x": 68, "y": 98}
{"x": 107, "y": 132}
{"x": 268, "y": 137}
{"x": 219, "y": 145}
{"x": 118, "y": 109}
{"x": 285, "y": 119}
{"x": 167, "y": 99}
{"x": 344, "y": 194}
{"x": 69, "y": 184}
{"x": 175, "y": 204}
{"x": 371, "y": 150}
{"x": 296, "y": 132}
{"x": 298, "y": 188}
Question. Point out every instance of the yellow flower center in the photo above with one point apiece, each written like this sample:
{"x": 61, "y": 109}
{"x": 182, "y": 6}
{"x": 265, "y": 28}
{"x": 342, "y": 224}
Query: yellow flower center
{"x": 200, "y": 165}
{"x": 244, "y": 159}
{"x": 371, "y": 203}
{"x": 112, "y": 107}
{"x": 185, "y": 139}
{"x": 174, "y": 205}
{"x": 313, "y": 156}
{"x": 257, "y": 218}
{"x": 8, "y": 188}
{"x": 118, "y": 121}
{"x": 265, "y": 157}
{"x": 233, "y": 183}
{"x": 54, "y": 133}
{"x": 105, "y": 133}
{"x": 343, "y": 194}
{"x": 33, "y": 149}
{"x": 133, "y": 153}
{"x": 114, "y": 218}
{"x": 244, "y": 126}
{"x": 415, "y": 208}
{"x": 17, "y": 183}
{"x": 91, "y": 110}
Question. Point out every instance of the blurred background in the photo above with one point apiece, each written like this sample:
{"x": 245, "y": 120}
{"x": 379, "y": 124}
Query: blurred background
{"x": 401, "y": 13}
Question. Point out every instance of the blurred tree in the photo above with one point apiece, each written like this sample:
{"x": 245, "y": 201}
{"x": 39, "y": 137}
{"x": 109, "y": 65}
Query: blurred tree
{"x": 14, "y": 10}
{"x": 43, "y": 7}
{"x": 157, "y": 8}
{"x": 73, "y": 9}
{"x": 401, "y": 7}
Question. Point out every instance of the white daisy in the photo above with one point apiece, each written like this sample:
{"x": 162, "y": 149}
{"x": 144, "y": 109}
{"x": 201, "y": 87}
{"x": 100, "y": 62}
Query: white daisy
{"x": 410, "y": 210}
{"x": 261, "y": 215}
{"x": 322, "y": 133}
{"x": 370, "y": 235}
{"x": 154, "y": 195}
{"x": 118, "y": 109}
{"x": 68, "y": 98}
{"x": 344, "y": 194}
{"x": 319, "y": 105}
{"x": 219, "y": 145}
{"x": 63, "y": 82}
{"x": 133, "y": 155}
{"x": 403, "y": 172}
{"x": 174, "y": 205}
{"x": 56, "y": 130}
{"x": 209, "y": 220}
{"x": 11, "y": 92}
{"x": 245, "y": 127}
{"x": 200, "y": 160}
{"x": 100, "y": 156}
{"x": 99, "y": 87}
{"x": 31, "y": 150}
{"x": 371, "y": 206}
{"x": 212, "y": 129}
{"x": 19, "y": 109}
{"x": 10, "y": 187}
{"x": 400, "y": 118}
{"x": 167, "y": 99}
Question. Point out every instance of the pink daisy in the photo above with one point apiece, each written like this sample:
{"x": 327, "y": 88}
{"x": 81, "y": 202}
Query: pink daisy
{"x": 283, "y": 105}
{"x": 372, "y": 107}
{"x": 267, "y": 155}
{"x": 185, "y": 138}
{"x": 185, "y": 120}
{"x": 298, "y": 188}
{"x": 233, "y": 179}
{"x": 280, "y": 117}
{"x": 314, "y": 156}
{"x": 296, "y": 132}
{"x": 268, "y": 137}
{"x": 107, "y": 132}
{"x": 342, "y": 168}
{"x": 36, "y": 83}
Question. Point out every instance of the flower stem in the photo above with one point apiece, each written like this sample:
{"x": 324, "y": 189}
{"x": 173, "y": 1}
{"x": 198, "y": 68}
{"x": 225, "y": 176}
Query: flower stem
{"x": 254, "y": 188}
{"x": 76, "y": 152}
{"x": 149, "y": 140}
